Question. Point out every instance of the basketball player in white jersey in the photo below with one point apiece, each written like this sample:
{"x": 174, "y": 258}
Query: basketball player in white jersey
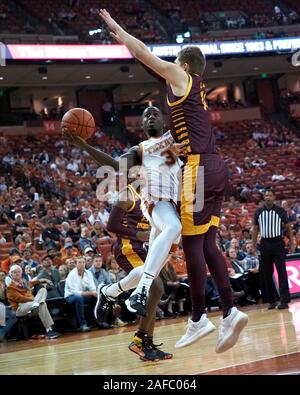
{"x": 159, "y": 197}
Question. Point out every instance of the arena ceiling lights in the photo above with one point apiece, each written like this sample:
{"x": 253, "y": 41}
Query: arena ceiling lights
{"x": 23, "y": 52}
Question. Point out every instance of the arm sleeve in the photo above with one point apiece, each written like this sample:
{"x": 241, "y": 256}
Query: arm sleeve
{"x": 14, "y": 296}
{"x": 115, "y": 225}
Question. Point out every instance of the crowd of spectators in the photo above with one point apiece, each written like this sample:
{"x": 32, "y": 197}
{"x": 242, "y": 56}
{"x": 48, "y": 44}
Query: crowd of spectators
{"x": 220, "y": 104}
{"x": 64, "y": 17}
{"x": 54, "y": 228}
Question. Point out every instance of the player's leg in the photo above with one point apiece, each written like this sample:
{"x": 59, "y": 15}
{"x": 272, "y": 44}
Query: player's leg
{"x": 165, "y": 219}
{"x": 142, "y": 343}
{"x": 131, "y": 264}
{"x": 233, "y": 321}
{"x": 199, "y": 325}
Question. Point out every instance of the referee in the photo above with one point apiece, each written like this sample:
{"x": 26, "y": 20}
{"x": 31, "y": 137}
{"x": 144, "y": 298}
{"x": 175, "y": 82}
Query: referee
{"x": 271, "y": 221}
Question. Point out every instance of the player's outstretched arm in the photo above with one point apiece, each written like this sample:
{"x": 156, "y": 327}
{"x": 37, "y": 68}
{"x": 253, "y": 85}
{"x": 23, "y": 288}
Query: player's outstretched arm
{"x": 99, "y": 156}
{"x": 103, "y": 159}
{"x": 171, "y": 72}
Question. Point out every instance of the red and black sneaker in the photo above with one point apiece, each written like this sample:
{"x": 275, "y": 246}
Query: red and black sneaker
{"x": 162, "y": 355}
{"x": 136, "y": 344}
{"x": 147, "y": 352}
{"x": 143, "y": 348}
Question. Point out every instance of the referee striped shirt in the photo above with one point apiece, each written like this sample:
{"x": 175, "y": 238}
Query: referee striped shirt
{"x": 271, "y": 221}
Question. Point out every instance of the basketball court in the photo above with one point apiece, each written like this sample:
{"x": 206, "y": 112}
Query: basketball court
{"x": 270, "y": 344}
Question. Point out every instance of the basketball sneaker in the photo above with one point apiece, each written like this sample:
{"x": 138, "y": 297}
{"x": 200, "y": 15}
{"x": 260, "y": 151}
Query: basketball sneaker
{"x": 103, "y": 303}
{"x": 136, "y": 303}
{"x": 143, "y": 348}
{"x": 162, "y": 355}
{"x": 195, "y": 331}
{"x": 230, "y": 329}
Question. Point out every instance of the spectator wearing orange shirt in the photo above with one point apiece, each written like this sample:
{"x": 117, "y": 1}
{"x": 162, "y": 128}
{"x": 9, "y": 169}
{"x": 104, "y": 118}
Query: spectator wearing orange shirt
{"x": 68, "y": 251}
{"x": 6, "y": 263}
{"x": 179, "y": 265}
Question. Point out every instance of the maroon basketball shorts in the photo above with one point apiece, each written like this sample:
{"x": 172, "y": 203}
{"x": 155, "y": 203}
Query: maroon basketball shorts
{"x": 129, "y": 254}
{"x": 204, "y": 180}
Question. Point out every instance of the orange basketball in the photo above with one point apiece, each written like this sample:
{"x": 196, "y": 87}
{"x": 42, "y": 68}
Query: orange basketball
{"x": 79, "y": 122}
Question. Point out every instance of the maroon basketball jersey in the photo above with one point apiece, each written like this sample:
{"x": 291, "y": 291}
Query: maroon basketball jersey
{"x": 134, "y": 217}
{"x": 189, "y": 118}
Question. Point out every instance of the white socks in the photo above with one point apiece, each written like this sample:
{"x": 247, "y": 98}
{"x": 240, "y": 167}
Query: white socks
{"x": 129, "y": 282}
{"x": 145, "y": 282}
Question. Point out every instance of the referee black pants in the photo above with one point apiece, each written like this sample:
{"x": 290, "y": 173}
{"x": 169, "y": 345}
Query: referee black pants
{"x": 272, "y": 251}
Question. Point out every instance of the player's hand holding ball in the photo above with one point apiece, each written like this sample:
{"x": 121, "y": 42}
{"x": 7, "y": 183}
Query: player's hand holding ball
{"x": 77, "y": 125}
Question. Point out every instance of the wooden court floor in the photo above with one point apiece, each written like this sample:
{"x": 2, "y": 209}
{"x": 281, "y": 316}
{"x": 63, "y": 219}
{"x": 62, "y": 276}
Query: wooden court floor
{"x": 270, "y": 344}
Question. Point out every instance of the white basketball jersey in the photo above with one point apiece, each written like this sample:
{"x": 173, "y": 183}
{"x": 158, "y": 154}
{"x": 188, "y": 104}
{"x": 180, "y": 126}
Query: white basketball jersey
{"x": 162, "y": 179}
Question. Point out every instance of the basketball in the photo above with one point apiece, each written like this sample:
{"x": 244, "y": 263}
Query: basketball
{"x": 79, "y": 122}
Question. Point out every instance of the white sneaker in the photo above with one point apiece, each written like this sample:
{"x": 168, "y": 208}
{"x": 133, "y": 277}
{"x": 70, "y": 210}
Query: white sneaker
{"x": 230, "y": 329}
{"x": 195, "y": 331}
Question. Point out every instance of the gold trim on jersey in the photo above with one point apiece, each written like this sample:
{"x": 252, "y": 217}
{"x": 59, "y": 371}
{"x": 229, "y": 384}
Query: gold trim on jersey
{"x": 182, "y": 99}
{"x": 181, "y": 136}
{"x": 189, "y": 179}
{"x": 178, "y": 119}
{"x": 130, "y": 254}
{"x": 179, "y": 124}
{"x": 175, "y": 112}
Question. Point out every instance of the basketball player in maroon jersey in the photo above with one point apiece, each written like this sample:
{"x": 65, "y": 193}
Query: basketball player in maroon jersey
{"x": 204, "y": 174}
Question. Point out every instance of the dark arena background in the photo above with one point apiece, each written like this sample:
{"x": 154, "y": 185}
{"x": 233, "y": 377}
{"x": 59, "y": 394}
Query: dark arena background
{"x": 57, "y": 55}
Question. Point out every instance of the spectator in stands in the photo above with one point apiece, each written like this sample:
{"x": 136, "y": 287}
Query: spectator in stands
{"x": 174, "y": 289}
{"x": 5, "y": 265}
{"x": 63, "y": 272}
{"x": 49, "y": 218}
{"x": 80, "y": 290}
{"x": 98, "y": 231}
{"x": 69, "y": 251}
{"x": 179, "y": 265}
{"x": 24, "y": 303}
{"x": 7, "y": 320}
{"x": 115, "y": 272}
{"x": 86, "y": 240}
{"x": 30, "y": 272}
{"x": 103, "y": 215}
{"x": 88, "y": 261}
{"x": 238, "y": 277}
{"x": 54, "y": 255}
{"x": 27, "y": 257}
{"x": 251, "y": 267}
{"x": 19, "y": 226}
{"x": 51, "y": 233}
{"x": 100, "y": 275}
{"x": 65, "y": 228}
{"x": 71, "y": 263}
{"x": 52, "y": 274}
